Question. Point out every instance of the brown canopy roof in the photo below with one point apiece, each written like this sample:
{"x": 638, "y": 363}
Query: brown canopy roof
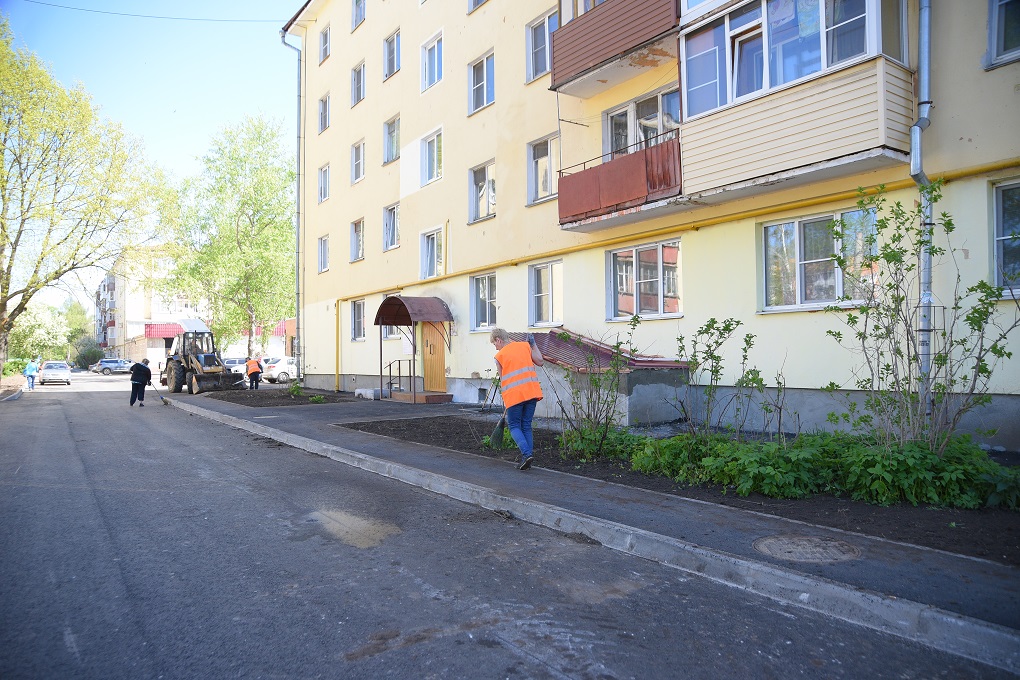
{"x": 397, "y": 310}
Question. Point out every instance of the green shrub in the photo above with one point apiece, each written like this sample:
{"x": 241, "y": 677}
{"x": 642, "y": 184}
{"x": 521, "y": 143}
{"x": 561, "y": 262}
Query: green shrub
{"x": 678, "y": 458}
{"x": 14, "y": 366}
{"x": 317, "y": 399}
{"x": 767, "y": 467}
{"x": 294, "y": 389}
{"x": 586, "y": 443}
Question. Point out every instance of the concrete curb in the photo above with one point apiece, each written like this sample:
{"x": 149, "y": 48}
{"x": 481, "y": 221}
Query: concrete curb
{"x": 927, "y": 625}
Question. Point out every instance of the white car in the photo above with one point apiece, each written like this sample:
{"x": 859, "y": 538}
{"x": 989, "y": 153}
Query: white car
{"x": 54, "y": 371}
{"x": 279, "y": 369}
{"x": 235, "y": 365}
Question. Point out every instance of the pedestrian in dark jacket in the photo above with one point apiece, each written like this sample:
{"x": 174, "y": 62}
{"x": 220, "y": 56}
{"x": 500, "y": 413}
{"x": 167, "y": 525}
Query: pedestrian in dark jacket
{"x": 140, "y": 377}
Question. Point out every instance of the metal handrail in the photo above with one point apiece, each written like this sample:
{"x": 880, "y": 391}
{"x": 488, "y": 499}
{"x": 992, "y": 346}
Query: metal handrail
{"x": 644, "y": 144}
{"x": 400, "y": 373}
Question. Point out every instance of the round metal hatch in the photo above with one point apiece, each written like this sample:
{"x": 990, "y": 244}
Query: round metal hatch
{"x": 806, "y": 548}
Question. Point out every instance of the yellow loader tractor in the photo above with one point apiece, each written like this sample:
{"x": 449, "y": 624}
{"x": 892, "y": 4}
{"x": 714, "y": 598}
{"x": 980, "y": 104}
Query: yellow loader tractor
{"x": 193, "y": 362}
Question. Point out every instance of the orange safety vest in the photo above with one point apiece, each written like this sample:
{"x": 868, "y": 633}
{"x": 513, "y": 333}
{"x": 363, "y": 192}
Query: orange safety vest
{"x": 252, "y": 366}
{"x": 518, "y": 380}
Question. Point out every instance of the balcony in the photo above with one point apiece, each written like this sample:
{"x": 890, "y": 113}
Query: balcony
{"x": 611, "y": 43}
{"x": 641, "y": 173}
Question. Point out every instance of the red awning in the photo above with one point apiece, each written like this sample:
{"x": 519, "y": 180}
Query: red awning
{"x": 162, "y": 330}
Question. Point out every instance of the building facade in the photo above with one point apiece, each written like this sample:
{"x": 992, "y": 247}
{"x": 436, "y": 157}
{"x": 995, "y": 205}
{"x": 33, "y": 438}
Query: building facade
{"x": 677, "y": 160}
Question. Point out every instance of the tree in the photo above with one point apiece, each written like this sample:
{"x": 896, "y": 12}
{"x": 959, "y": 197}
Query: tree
{"x": 232, "y": 235}
{"x": 41, "y": 331}
{"x": 71, "y": 187}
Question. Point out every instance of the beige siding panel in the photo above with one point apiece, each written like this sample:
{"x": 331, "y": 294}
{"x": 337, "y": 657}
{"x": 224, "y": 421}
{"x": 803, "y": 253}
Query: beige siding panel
{"x": 824, "y": 119}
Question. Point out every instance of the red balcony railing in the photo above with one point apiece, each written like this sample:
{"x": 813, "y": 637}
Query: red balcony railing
{"x": 641, "y": 173}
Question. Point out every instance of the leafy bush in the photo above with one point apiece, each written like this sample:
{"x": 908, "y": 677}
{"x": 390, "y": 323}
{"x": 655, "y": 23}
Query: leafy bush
{"x": 14, "y": 366}
{"x": 317, "y": 399}
{"x": 294, "y": 389}
{"x": 604, "y": 441}
{"x": 678, "y": 458}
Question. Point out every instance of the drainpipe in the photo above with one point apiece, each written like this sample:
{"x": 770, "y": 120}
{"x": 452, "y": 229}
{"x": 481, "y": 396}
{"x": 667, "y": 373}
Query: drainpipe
{"x": 924, "y": 331}
{"x": 297, "y": 221}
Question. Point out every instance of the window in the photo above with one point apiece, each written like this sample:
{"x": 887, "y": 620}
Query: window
{"x": 323, "y": 44}
{"x": 323, "y": 183}
{"x": 1007, "y": 236}
{"x": 641, "y": 122}
{"x": 432, "y": 158}
{"x": 358, "y": 320}
{"x": 483, "y": 82}
{"x": 323, "y": 113}
{"x": 391, "y": 226}
{"x": 769, "y": 43}
{"x": 645, "y": 281}
{"x": 582, "y": 6}
{"x": 539, "y": 44}
{"x": 431, "y": 62}
{"x": 483, "y": 301}
{"x": 800, "y": 269}
{"x": 357, "y": 13}
{"x": 323, "y": 254}
{"x": 391, "y": 140}
{"x": 483, "y": 191}
{"x": 432, "y": 254}
{"x": 1003, "y": 32}
{"x": 546, "y": 288}
{"x": 357, "y": 83}
{"x": 894, "y": 23}
{"x": 475, "y": 4}
{"x": 543, "y": 169}
{"x": 391, "y": 55}
{"x": 357, "y": 240}
{"x": 357, "y": 162}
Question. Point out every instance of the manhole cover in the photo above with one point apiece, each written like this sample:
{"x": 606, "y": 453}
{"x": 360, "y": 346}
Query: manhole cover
{"x": 806, "y": 549}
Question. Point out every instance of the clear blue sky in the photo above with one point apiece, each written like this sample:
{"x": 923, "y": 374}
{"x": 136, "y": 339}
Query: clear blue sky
{"x": 174, "y": 82}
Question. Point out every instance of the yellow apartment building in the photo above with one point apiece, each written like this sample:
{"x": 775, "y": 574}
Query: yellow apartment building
{"x": 678, "y": 160}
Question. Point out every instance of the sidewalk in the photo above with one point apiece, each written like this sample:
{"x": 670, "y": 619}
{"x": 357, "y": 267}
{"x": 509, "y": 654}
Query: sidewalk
{"x": 963, "y": 605}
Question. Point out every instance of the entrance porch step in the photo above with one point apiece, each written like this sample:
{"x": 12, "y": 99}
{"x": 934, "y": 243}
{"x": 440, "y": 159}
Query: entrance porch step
{"x": 422, "y": 397}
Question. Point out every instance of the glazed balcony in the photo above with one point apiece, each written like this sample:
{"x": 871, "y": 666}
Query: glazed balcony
{"x": 642, "y": 173}
{"x": 611, "y": 43}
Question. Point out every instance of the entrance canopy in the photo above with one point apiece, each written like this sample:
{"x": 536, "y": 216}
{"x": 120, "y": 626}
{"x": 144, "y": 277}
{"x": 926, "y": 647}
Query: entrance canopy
{"x": 397, "y": 310}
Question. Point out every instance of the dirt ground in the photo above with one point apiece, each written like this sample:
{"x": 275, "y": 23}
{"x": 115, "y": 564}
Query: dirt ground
{"x": 989, "y": 534}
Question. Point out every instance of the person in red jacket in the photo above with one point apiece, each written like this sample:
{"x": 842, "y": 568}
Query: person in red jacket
{"x": 516, "y": 363}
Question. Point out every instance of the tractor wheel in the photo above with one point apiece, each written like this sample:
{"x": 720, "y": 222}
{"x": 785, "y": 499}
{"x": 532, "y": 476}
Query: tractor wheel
{"x": 194, "y": 387}
{"x": 283, "y": 378}
{"x": 174, "y": 377}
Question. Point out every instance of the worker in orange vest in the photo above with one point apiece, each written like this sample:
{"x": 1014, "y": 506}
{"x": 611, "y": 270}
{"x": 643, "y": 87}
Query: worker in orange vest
{"x": 253, "y": 367}
{"x": 517, "y": 364}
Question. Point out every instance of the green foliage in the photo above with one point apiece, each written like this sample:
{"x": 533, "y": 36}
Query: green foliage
{"x": 678, "y": 458}
{"x": 508, "y": 440}
{"x": 295, "y": 390}
{"x": 14, "y": 366}
{"x": 317, "y": 399}
{"x": 612, "y": 442}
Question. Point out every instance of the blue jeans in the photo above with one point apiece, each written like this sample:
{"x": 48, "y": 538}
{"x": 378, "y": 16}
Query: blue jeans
{"x": 31, "y": 381}
{"x": 518, "y": 419}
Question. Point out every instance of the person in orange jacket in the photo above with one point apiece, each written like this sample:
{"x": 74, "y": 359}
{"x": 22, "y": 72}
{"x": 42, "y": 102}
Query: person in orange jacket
{"x": 253, "y": 367}
{"x": 517, "y": 364}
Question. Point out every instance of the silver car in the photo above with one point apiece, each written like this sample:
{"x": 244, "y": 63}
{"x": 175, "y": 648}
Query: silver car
{"x": 54, "y": 371}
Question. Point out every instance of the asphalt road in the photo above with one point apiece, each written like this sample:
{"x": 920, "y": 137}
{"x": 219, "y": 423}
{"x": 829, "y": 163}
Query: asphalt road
{"x": 150, "y": 543}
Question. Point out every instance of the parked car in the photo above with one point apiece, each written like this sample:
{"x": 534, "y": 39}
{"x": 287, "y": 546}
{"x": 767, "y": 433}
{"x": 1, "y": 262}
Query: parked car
{"x": 279, "y": 369}
{"x": 235, "y": 365}
{"x": 108, "y": 366}
{"x": 54, "y": 371}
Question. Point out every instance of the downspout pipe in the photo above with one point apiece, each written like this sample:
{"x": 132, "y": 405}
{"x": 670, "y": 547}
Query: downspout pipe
{"x": 924, "y": 330}
{"x": 298, "y": 355}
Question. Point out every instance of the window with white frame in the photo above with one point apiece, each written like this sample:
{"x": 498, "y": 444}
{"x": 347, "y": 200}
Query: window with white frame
{"x": 482, "y": 76}
{"x": 645, "y": 281}
{"x": 768, "y": 43}
{"x": 391, "y": 226}
{"x": 323, "y": 113}
{"x": 391, "y": 140}
{"x": 543, "y": 169}
{"x": 483, "y": 191}
{"x": 431, "y": 254}
{"x": 357, "y": 240}
{"x": 357, "y": 13}
{"x": 538, "y": 42}
{"x": 323, "y": 44}
{"x": 483, "y": 301}
{"x": 545, "y": 286}
{"x": 432, "y": 62}
{"x": 357, "y": 83}
{"x": 323, "y": 183}
{"x": 1003, "y": 32}
{"x": 357, "y": 161}
{"x": 582, "y": 6}
{"x": 1007, "y": 236}
{"x": 894, "y": 27}
{"x": 391, "y": 55}
{"x": 390, "y": 332}
{"x": 432, "y": 157}
{"x": 799, "y": 259}
{"x": 641, "y": 122}
{"x": 358, "y": 320}
{"x": 323, "y": 253}
{"x": 475, "y": 4}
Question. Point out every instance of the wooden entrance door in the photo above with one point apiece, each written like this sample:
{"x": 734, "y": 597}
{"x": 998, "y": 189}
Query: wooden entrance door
{"x": 433, "y": 358}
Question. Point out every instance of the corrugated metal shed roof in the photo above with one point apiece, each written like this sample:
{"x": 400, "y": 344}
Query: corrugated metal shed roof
{"x": 162, "y": 330}
{"x": 573, "y": 350}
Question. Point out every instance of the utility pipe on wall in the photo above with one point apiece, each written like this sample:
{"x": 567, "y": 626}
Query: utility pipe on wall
{"x": 297, "y": 221}
{"x": 924, "y": 331}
